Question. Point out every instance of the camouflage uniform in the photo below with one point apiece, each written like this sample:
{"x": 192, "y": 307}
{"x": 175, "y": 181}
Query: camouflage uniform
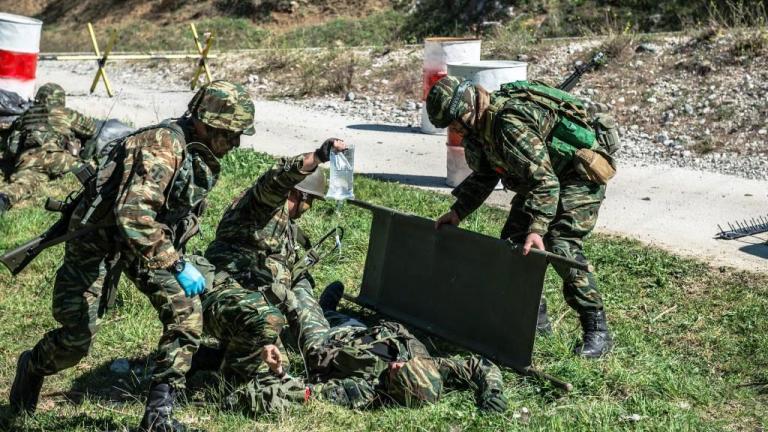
{"x": 162, "y": 181}
{"x": 349, "y": 362}
{"x": 244, "y": 322}
{"x": 552, "y": 199}
{"x": 257, "y": 244}
{"x": 45, "y": 143}
{"x": 141, "y": 206}
{"x": 256, "y": 241}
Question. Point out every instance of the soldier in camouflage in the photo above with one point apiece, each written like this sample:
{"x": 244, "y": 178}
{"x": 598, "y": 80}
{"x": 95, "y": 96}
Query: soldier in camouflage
{"x": 141, "y": 207}
{"x": 508, "y": 137}
{"x": 258, "y": 241}
{"x": 356, "y": 366}
{"x": 44, "y": 144}
{"x": 256, "y": 250}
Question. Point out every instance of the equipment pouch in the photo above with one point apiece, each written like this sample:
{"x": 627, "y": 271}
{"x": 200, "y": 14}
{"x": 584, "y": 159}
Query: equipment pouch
{"x": 593, "y": 166}
{"x": 573, "y": 133}
{"x": 607, "y": 132}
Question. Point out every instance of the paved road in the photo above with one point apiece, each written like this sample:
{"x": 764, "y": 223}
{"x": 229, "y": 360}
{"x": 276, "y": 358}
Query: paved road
{"x": 677, "y": 209}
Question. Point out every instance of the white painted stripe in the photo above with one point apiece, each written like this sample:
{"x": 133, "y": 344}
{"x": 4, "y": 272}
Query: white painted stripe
{"x": 19, "y": 33}
{"x": 25, "y": 89}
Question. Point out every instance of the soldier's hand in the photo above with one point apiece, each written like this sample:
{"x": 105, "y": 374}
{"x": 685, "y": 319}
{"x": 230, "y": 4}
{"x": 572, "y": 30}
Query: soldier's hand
{"x": 191, "y": 280}
{"x": 450, "y": 218}
{"x": 493, "y": 401}
{"x": 533, "y": 240}
{"x": 323, "y": 153}
{"x": 271, "y": 355}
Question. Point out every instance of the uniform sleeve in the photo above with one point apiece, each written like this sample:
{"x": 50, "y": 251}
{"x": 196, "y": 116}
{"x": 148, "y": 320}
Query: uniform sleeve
{"x": 151, "y": 162}
{"x": 271, "y": 189}
{"x": 355, "y": 392}
{"x": 475, "y": 373}
{"x": 82, "y": 125}
{"x": 473, "y": 191}
{"x": 526, "y": 152}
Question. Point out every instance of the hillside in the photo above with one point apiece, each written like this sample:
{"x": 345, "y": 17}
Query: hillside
{"x": 161, "y": 24}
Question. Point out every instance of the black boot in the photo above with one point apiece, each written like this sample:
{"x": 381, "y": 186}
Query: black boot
{"x": 25, "y": 391}
{"x": 157, "y": 414}
{"x": 331, "y": 296}
{"x": 597, "y": 339}
{"x": 543, "y": 327}
{"x": 206, "y": 358}
{"x": 5, "y": 203}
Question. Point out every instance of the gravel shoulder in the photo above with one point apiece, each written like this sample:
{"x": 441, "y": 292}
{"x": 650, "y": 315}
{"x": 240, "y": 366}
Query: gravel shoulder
{"x": 661, "y": 204}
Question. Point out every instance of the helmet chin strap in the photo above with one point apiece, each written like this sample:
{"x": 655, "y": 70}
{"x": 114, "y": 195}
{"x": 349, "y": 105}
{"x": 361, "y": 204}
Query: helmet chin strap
{"x": 458, "y": 94}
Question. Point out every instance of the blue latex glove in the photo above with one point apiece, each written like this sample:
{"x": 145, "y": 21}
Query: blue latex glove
{"x": 191, "y": 280}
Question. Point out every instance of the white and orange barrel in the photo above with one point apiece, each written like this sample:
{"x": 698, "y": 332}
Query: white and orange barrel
{"x": 19, "y": 47}
{"x": 438, "y": 52}
{"x": 490, "y": 74}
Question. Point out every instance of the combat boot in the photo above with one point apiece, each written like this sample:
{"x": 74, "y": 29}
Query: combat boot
{"x": 331, "y": 296}
{"x": 157, "y": 414}
{"x": 25, "y": 391}
{"x": 543, "y": 326}
{"x": 597, "y": 339}
{"x": 206, "y": 358}
{"x": 5, "y": 203}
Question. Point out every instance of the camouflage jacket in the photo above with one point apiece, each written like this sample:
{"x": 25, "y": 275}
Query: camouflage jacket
{"x": 162, "y": 182}
{"x": 51, "y": 127}
{"x": 519, "y": 156}
{"x": 256, "y": 241}
{"x": 355, "y": 358}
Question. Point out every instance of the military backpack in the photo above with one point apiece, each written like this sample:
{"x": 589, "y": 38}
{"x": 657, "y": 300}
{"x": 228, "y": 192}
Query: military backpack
{"x": 573, "y": 131}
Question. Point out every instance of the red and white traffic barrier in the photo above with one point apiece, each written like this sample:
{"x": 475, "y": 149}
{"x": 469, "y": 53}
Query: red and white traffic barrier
{"x": 438, "y": 52}
{"x": 19, "y": 47}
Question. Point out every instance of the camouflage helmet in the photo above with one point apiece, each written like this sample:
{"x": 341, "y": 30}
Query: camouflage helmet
{"x": 224, "y": 105}
{"x": 449, "y": 100}
{"x": 50, "y": 94}
{"x": 313, "y": 184}
{"x": 417, "y": 382}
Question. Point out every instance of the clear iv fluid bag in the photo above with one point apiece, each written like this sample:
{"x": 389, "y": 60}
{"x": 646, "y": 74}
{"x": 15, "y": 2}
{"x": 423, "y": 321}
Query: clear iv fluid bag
{"x": 342, "y": 172}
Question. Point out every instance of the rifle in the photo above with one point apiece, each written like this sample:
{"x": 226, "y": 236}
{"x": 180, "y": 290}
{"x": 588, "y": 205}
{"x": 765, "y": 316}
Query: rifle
{"x": 17, "y": 259}
{"x": 573, "y": 79}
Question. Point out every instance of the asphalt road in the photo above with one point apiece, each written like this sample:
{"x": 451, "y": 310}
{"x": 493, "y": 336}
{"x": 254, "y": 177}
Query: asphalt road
{"x": 674, "y": 208}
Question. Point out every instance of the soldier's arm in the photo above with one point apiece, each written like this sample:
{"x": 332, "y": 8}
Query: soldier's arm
{"x": 82, "y": 125}
{"x": 271, "y": 189}
{"x": 527, "y": 152}
{"x": 152, "y": 159}
{"x": 475, "y": 373}
{"x": 473, "y": 191}
{"x": 355, "y": 393}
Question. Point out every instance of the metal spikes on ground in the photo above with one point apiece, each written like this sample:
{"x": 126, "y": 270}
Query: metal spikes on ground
{"x": 743, "y": 229}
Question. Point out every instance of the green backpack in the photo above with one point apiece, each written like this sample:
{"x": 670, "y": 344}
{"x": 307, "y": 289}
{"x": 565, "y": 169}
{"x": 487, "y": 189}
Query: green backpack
{"x": 573, "y": 130}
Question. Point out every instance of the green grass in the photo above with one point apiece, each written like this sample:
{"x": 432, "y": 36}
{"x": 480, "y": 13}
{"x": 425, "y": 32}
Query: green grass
{"x": 378, "y": 29}
{"x": 687, "y": 338}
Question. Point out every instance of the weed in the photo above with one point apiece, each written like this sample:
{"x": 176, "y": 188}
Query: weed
{"x": 705, "y": 145}
{"x": 749, "y": 45}
{"x": 511, "y": 40}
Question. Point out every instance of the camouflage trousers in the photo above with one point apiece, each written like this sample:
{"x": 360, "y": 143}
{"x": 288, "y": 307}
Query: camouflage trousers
{"x": 244, "y": 322}
{"x": 84, "y": 283}
{"x": 35, "y": 167}
{"x": 576, "y": 217}
{"x": 312, "y": 328}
